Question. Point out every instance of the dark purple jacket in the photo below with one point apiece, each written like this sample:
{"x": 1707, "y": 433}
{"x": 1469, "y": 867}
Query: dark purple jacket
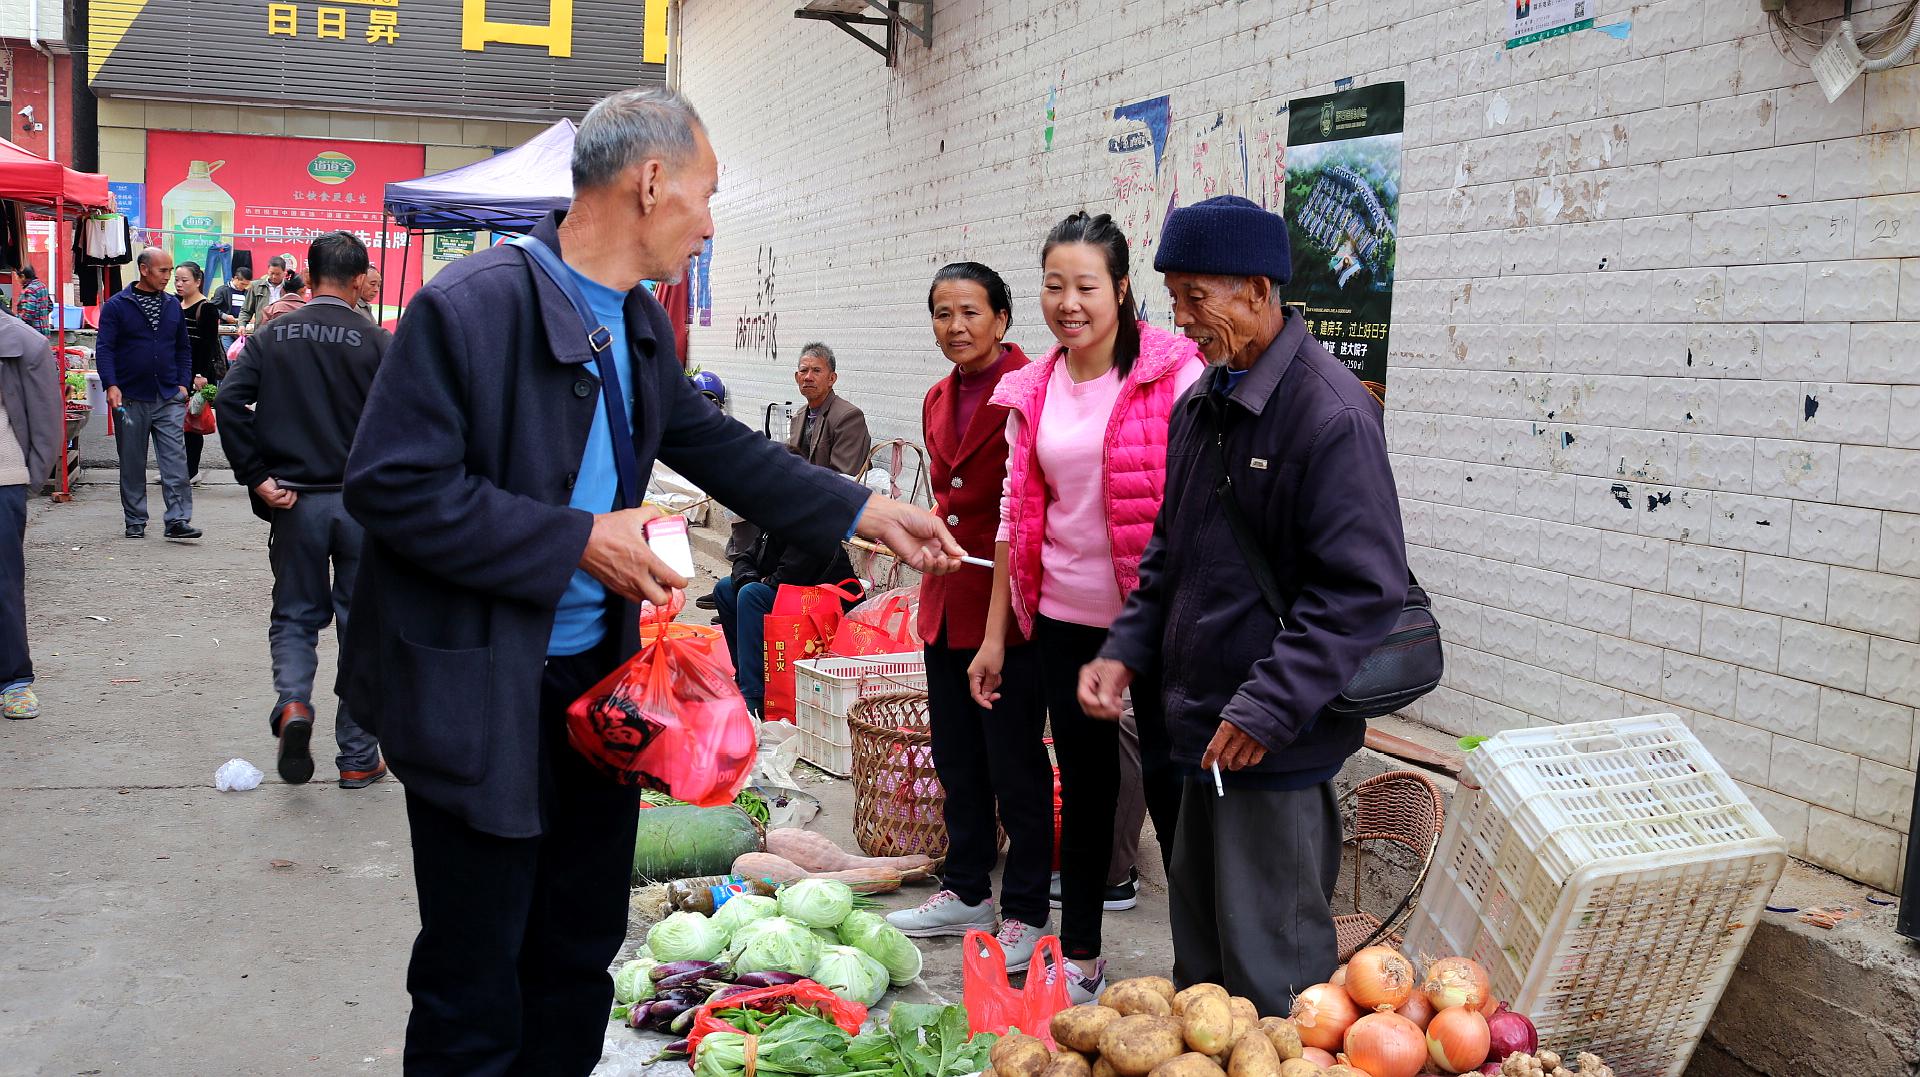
{"x": 1309, "y": 460}
{"x": 145, "y": 362}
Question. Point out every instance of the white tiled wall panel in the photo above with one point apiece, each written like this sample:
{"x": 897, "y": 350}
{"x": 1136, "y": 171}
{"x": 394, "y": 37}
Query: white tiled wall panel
{"x": 1654, "y": 394}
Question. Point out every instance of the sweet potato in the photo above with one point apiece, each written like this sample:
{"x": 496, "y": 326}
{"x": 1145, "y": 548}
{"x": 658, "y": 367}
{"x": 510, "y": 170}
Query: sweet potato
{"x": 1079, "y": 1027}
{"x": 817, "y": 853}
{"x": 1284, "y": 1037}
{"x": 783, "y": 871}
{"x": 1136, "y": 996}
{"x": 1134, "y": 1045}
{"x": 1187, "y": 1065}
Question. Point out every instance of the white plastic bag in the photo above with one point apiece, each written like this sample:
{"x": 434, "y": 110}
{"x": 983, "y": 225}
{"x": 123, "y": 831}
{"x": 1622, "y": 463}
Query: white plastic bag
{"x": 236, "y": 775}
{"x": 779, "y": 752}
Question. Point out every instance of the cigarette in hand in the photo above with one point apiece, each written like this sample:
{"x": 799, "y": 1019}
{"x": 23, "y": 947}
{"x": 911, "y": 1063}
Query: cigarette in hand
{"x": 1218, "y": 789}
{"x": 981, "y": 561}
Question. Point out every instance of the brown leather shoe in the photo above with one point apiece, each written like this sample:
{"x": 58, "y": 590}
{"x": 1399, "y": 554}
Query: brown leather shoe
{"x": 295, "y": 721}
{"x": 360, "y": 779}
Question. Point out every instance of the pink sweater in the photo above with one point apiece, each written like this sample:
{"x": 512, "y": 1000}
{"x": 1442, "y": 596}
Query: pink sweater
{"x": 1078, "y": 580}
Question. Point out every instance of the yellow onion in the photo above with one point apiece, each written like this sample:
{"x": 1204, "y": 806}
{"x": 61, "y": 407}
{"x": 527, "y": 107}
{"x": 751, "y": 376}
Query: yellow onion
{"x": 1458, "y": 1040}
{"x": 1379, "y": 976}
{"x": 1323, "y": 1013}
{"x": 1456, "y": 981}
{"x": 1386, "y": 1045}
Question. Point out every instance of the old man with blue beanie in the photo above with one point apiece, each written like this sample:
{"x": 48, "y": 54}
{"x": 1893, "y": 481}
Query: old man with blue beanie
{"x": 1277, "y": 483}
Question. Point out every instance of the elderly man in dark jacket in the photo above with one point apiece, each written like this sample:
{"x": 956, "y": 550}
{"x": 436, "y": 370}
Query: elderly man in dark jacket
{"x": 498, "y": 471}
{"x": 1301, "y": 439}
{"x": 31, "y": 411}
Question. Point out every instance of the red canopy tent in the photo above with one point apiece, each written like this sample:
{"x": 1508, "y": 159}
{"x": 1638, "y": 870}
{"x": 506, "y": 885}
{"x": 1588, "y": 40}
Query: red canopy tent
{"x": 49, "y": 188}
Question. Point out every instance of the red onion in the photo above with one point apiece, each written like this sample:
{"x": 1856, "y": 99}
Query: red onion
{"x": 1491, "y": 1069}
{"x": 1510, "y": 1033}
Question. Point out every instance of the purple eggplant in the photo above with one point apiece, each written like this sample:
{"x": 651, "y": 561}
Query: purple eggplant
{"x": 660, "y": 1013}
{"x": 766, "y": 979}
{"x": 683, "y": 1023}
{"x": 725, "y": 991}
{"x": 686, "y": 972}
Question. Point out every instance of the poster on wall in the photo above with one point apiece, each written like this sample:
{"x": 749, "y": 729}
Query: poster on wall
{"x": 272, "y": 195}
{"x": 1529, "y": 21}
{"x": 1343, "y": 213}
{"x": 130, "y": 201}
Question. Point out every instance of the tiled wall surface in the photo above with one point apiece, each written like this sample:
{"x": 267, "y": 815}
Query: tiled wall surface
{"x": 1654, "y": 394}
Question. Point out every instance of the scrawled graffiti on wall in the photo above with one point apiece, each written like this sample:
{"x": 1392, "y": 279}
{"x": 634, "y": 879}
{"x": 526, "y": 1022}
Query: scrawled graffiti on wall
{"x": 757, "y": 330}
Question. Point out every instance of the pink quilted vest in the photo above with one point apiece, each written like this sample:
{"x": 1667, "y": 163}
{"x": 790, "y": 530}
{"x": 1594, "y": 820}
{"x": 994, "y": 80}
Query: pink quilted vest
{"x": 1136, "y": 462}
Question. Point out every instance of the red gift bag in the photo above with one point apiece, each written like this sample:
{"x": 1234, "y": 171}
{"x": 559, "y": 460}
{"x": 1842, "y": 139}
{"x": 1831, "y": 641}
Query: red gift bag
{"x": 994, "y": 1005}
{"x": 670, "y": 718}
{"x": 883, "y": 624}
{"x": 802, "y": 621}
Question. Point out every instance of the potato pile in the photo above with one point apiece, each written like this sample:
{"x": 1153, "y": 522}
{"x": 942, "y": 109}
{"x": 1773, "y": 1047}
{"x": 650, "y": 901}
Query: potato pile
{"x": 1143, "y": 1028}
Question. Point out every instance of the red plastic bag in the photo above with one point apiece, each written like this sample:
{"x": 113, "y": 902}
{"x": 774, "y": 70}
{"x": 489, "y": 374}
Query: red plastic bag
{"x": 803, "y": 993}
{"x": 803, "y": 619}
{"x": 994, "y": 1005}
{"x": 671, "y": 718}
{"x": 202, "y": 421}
{"x": 883, "y": 624}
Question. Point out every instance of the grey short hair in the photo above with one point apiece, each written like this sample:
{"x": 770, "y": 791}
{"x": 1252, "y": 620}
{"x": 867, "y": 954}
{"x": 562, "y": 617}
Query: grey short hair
{"x": 821, "y": 351}
{"x": 628, "y": 127}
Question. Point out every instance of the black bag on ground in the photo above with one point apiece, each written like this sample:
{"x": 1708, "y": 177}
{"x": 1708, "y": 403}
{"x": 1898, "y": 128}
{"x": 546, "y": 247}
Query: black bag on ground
{"x": 1405, "y": 666}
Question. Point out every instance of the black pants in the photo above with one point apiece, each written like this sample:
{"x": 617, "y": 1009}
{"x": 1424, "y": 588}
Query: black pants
{"x": 988, "y": 760}
{"x": 1252, "y": 890}
{"x": 509, "y": 972}
{"x": 195, "y": 443}
{"x": 16, "y": 663}
{"x": 1088, "y": 750}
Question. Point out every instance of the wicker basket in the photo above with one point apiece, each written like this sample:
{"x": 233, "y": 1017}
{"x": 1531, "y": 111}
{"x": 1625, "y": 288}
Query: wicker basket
{"x": 897, "y": 798}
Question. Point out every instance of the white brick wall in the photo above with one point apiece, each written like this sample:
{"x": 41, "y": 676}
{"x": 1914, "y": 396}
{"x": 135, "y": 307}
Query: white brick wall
{"x": 1670, "y": 248}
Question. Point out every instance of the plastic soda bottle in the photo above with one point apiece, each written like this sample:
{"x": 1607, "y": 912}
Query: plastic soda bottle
{"x": 707, "y": 893}
{"x": 197, "y": 213}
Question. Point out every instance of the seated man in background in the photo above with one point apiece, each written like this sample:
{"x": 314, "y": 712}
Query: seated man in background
{"x": 746, "y": 597}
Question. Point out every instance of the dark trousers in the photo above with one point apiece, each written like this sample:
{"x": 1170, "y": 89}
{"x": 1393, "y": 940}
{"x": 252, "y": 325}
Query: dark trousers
{"x": 509, "y": 972}
{"x": 314, "y": 549}
{"x": 195, "y": 443}
{"x": 743, "y": 620}
{"x": 16, "y": 663}
{"x": 1251, "y": 890}
{"x": 993, "y": 761}
{"x": 1088, "y": 750}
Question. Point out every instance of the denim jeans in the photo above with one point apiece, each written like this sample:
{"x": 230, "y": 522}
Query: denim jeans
{"x": 743, "y": 612}
{"x": 314, "y": 548}
{"x": 219, "y": 267}
{"x": 16, "y": 662}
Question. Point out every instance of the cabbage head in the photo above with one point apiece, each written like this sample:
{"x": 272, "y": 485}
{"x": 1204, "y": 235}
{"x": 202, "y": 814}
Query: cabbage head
{"x": 816, "y": 902}
{"x": 872, "y": 935}
{"x": 632, "y": 982}
{"x": 776, "y": 944}
{"x": 741, "y": 910}
{"x": 851, "y": 974}
{"x": 685, "y": 936}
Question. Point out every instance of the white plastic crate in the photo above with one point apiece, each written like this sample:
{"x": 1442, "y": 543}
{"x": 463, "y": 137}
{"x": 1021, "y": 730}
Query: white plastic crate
{"x": 825, "y": 690}
{"x": 1608, "y": 875}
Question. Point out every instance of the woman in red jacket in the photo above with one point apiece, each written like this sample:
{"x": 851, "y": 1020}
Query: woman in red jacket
{"x": 991, "y": 761}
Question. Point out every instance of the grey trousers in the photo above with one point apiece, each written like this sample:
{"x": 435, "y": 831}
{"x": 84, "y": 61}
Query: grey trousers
{"x": 1251, "y": 890}
{"x": 314, "y": 536}
{"x": 164, "y": 423}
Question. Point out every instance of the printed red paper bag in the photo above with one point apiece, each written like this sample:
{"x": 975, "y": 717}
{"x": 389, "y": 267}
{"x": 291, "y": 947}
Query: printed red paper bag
{"x": 883, "y": 624}
{"x": 802, "y": 621}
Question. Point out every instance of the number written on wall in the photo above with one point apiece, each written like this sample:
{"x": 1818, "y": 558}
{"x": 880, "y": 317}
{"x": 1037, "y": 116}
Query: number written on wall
{"x": 1887, "y": 228}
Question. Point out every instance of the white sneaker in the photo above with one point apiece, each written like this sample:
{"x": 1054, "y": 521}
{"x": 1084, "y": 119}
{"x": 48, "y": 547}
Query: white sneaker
{"x": 1018, "y": 939}
{"x": 1085, "y": 983}
{"x": 944, "y": 914}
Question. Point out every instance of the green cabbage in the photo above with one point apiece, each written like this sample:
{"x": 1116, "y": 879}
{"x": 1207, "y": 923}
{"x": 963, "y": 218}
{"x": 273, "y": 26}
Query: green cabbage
{"x": 776, "y": 944}
{"x": 851, "y": 974}
{"x": 741, "y": 910}
{"x": 872, "y": 935}
{"x": 685, "y": 936}
{"x": 816, "y": 902}
{"x": 631, "y": 983}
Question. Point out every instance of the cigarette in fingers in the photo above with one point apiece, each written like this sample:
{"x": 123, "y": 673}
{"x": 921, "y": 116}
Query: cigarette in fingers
{"x": 1218, "y": 789}
{"x": 981, "y": 561}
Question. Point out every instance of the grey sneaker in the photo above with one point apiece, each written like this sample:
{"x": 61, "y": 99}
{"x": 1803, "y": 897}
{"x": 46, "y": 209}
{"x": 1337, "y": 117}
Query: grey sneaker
{"x": 1018, "y": 939}
{"x": 944, "y": 914}
{"x": 1084, "y": 982}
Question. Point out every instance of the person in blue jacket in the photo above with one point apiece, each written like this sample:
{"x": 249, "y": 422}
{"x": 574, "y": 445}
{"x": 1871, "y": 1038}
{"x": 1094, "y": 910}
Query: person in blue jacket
{"x": 1255, "y": 859}
{"x": 146, "y": 364}
{"x": 498, "y": 470}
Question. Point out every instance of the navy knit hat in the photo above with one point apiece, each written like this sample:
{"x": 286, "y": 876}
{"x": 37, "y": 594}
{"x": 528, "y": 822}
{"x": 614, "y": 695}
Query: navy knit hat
{"x": 1226, "y": 236}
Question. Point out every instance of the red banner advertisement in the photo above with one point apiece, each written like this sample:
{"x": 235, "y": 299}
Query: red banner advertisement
{"x": 272, "y": 195}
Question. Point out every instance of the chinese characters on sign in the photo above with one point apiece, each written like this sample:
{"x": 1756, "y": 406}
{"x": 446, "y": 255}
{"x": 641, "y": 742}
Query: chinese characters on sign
{"x": 1529, "y": 21}
{"x": 1343, "y": 210}
{"x": 381, "y": 26}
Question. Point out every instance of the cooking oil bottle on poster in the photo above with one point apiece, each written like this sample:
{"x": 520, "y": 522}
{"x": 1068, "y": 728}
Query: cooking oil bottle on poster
{"x": 197, "y": 213}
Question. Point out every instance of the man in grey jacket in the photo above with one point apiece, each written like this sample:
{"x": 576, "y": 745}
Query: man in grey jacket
{"x": 31, "y": 410}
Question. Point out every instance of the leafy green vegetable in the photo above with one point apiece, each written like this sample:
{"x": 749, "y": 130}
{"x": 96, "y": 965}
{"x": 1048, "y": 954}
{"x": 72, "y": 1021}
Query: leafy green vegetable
{"x": 631, "y": 983}
{"x": 817, "y": 902}
{"x": 850, "y": 974}
{"x": 933, "y": 1041}
{"x": 741, "y": 910}
{"x": 620, "y": 1013}
{"x": 1468, "y": 744}
{"x": 795, "y": 1043}
{"x": 776, "y": 944}
{"x": 883, "y": 942}
{"x": 685, "y": 936}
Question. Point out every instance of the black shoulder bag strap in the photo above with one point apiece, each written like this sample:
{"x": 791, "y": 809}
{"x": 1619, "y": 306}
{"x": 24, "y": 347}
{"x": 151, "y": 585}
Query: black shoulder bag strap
{"x": 600, "y": 340}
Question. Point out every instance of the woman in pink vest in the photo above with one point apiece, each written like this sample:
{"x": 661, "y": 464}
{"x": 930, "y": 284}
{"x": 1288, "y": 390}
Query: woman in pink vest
{"x": 1086, "y": 467}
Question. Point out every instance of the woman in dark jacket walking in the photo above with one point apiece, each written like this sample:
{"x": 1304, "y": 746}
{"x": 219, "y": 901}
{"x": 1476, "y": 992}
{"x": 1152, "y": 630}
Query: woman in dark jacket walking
{"x": 991, "y": 762}
{"x": 203, "y": 344}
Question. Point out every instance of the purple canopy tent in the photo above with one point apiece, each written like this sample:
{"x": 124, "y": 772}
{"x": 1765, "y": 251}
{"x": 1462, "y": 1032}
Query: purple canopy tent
{"x": 508, "y": 192}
